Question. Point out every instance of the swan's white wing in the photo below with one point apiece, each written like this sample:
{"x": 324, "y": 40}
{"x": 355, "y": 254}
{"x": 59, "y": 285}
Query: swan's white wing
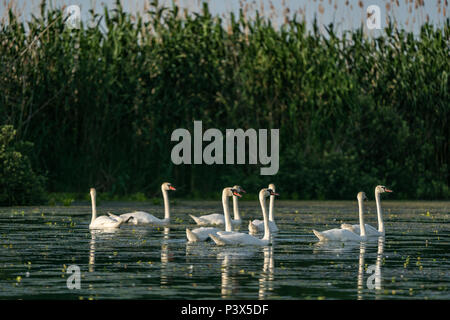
{"x": 200, "y": 234}
{"x": 224, "y": 233}
{"x": 210, "y": 219}
{"x": 239, "y": 238}
{"x": 337, "y": 235}
{"x": 370, "y": 231}
{"x": 114, "y": 217}
{"x": 259, "y": 224}
{"x": 105, "y": 222}
{"x": 214, "y": 218}
{"x": 141, "y": 217}
{"x": 350, "y": 227}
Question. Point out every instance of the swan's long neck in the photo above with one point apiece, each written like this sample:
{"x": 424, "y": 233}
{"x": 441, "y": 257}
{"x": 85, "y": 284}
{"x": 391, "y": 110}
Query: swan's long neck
{"x": 271, "y": 205}
{"x": 94, "y": 207}
{"x": 166, "y": 204}
{"x": 362, "y": 226}
{"x": 226, "y": 212}
{"x": 237, "y": 216}
{"x": 379, "y": 212}
{"x": 262, "y": 201}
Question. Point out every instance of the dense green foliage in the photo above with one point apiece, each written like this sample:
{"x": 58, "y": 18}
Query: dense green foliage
{"x": 19, "y": 184}
{"x": 100, "y": 103}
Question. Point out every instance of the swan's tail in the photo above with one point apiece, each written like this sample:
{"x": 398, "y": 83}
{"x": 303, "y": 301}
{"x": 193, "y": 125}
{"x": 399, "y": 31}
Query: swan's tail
{"x": 217, "y": 240}
{"x": 196, "y": 219}
{"x": 251, "y": 228}
{"x": 192, "y": 237}
{"x": 319, "y": 235}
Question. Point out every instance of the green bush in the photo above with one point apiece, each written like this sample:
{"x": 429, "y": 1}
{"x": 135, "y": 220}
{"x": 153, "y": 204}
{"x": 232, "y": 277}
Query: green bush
{"x": 100, "y": 103}
{"x": 19, "y": 184}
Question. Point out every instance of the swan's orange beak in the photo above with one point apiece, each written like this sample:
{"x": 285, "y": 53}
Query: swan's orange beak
{"x": 388, "y": 190}
{"x": 172, "y": 188}
{"x": 274, "y": 194}
{"x": 236, "y": 194}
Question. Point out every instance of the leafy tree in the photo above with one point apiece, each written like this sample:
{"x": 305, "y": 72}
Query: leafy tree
{"x": 19, "y": 184}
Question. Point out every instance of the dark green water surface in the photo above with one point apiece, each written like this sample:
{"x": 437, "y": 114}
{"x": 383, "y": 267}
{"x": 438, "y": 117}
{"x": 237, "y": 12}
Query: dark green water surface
{"x": 38, "y": 244}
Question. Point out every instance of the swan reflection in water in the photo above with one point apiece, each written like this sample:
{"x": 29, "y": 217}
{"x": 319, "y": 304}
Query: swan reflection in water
{"x": 106, "y": 234}
{"x": 378, "y": 279}
{"x": 232, "y": 259}
{"x": 267, "y": 275}
{"x": 166, "y": 257}
{"x": 374, "y": 279}
{"x": 335, "y": 247}
{"x": 360, "y": 286}
{"x": 367, "y": 278}
{"x": 92, "y": 253}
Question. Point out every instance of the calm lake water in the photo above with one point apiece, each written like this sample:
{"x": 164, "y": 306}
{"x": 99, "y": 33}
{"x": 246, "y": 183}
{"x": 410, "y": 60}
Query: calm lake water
{"x": 38, "y": 244}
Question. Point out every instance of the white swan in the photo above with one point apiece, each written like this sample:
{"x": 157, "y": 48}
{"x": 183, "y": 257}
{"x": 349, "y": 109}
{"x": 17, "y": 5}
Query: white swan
{"x": 217, "y": 219}
{"x": 344, "y": 234}
{"x": 229, "y": 237}
{"x": 104, "y": 222}
{"x": 202, "y": 233}
{"x": 371, "y": 231}
{"x": 256, "y": 226}
{"x": 141, "y": 217}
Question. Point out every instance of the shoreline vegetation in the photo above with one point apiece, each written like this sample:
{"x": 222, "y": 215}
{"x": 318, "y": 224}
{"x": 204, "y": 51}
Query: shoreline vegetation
{"x": 65, "y": 200}
{"x": 96, "y": 107}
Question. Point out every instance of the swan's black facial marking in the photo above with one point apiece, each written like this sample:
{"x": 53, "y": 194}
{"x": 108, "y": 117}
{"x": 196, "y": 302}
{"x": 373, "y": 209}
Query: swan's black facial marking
{"x": 272, "y": 193}
{"x": 235, "y": 192}
{"x": 384, "y": 189}
{"x": 168, "y": 186}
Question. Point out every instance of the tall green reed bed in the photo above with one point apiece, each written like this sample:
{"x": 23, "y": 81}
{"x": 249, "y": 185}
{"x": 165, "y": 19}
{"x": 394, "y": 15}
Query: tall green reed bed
{"x": 100, "y": 103}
